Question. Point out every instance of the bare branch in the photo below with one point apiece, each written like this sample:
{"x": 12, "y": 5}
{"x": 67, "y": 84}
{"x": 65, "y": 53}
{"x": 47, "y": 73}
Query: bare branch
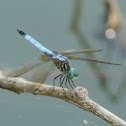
{"x": 78, "y": 97}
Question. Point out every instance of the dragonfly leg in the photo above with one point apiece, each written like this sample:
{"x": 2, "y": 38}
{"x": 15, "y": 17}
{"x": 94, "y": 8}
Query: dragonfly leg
{"x": 70, "y": 83}
{"x": 61, "y": 82}
{"x": 66, "y": 84}
{"x": 54, "y": 81}
{"x": 73, "y": 83}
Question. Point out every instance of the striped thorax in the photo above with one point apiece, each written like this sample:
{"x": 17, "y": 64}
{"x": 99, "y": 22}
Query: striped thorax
{"x": 64, "y": 67}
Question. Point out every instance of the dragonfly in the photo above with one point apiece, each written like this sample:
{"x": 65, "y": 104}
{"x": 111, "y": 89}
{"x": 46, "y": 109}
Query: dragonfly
{"x": 52, "y": 60}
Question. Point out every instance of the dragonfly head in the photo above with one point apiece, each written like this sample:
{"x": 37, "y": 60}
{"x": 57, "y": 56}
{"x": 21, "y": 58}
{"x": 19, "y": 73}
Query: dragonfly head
{"x": 72, "y": 74}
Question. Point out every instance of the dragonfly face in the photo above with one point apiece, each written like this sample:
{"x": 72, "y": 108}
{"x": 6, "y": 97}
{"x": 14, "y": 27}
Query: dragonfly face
{"x": 72, "y": 74}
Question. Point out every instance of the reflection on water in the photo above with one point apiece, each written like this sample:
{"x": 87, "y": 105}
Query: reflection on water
{"x": 113, "y": 20}
{"x": 116, "y": 25}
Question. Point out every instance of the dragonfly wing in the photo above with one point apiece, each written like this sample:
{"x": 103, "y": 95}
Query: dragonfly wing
{"x": 27, "y": 67}
{"x": 89, "y": 59}
{"x": 36, "y": 71}
{"x": 71, "y": 52}
{"x": 43, "y": 72}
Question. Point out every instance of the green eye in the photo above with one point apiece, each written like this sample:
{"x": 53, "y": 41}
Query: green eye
{"x": 73, "y": 73}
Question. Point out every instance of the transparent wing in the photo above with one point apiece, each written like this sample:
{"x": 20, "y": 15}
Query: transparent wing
{"x": 71, "y": 52}
{"x": 27, "y": 67}
{"x": 41, "y": 73}
{"x": 89, "y": 59}
{"x": 36, "y": 71}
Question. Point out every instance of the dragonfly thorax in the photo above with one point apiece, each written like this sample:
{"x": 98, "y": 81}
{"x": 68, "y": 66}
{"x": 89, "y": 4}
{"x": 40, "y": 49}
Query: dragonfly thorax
{"x": 61, "y": 58}
{"x": 64, "y": 67}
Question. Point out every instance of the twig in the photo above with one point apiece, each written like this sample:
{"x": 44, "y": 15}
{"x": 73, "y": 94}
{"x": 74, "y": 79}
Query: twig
{"x": 78, "y": 97}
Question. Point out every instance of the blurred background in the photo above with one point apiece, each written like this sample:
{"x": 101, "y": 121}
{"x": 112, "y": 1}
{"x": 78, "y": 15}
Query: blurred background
{"x": 62, "y": 25}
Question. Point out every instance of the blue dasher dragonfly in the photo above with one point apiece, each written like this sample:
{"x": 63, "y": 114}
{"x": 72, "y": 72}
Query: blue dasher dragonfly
{"x": 52, "y": 60}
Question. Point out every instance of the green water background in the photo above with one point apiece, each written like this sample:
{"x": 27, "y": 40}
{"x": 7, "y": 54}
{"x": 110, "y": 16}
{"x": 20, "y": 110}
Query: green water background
{"x": 52, "y": 23}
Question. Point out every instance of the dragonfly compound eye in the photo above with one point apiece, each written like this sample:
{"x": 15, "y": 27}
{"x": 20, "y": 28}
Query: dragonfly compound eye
{"x": 73, "y": 73}
{"x": 76, "y": 74}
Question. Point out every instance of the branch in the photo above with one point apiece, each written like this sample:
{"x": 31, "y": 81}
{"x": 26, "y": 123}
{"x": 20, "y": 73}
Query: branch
{"x": 78, "y": 97}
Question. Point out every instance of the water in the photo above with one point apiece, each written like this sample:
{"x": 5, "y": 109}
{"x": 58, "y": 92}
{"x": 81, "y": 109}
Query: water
{"x": 52, "y": 23}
